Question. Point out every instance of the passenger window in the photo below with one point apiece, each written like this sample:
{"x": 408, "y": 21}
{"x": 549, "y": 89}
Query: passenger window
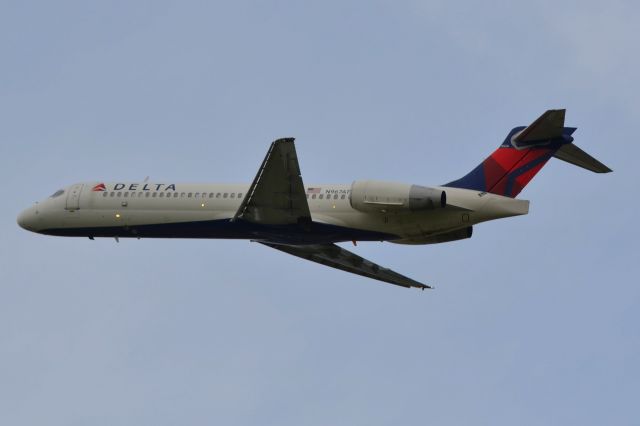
{"x": 313, "y": 196}
{"x": 342, "y": 197}
{"x": 126, "y": 194}
{"x": 240, "y": 195}
{"x": 175, "y": 195}
{"x": 155, "y": 194}
{"x": 225, "y": 195}
{"x": 197, "y": 195}
{"x": 147, "y": 194}
{"x": 104, "y": 194}
{"x": 182, "y": 194}
{"x": 140, "y": 194}
{"x": 119, "y": 194}
{"x": 218, "y": 195}
{"x": 189, "y": 195}
{"x": 211, "y": 195}
{"x": 112, "y": 194}
{"x": 233, "y": 195}
{"x": 335, "y": 197}
{"x": 321, "y": 196}
{"x": 161, "y": 194}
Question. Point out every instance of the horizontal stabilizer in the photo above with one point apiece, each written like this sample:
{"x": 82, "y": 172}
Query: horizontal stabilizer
{"x": 549, "y": 125}
{"x": 574, "y": 155}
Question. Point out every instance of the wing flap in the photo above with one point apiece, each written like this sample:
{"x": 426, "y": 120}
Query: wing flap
{"x": 335, "y": 256}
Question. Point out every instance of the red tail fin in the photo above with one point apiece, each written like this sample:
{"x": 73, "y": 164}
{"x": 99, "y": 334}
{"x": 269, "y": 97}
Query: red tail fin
{"x": 523, "y": 153}
{"x": 508, "y": 170}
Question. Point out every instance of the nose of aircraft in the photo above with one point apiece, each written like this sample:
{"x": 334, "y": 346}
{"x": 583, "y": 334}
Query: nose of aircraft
{"x": 27, "y": 219}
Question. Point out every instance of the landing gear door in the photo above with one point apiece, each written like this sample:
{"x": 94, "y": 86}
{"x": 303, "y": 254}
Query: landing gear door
{"x": 73, "y": 197}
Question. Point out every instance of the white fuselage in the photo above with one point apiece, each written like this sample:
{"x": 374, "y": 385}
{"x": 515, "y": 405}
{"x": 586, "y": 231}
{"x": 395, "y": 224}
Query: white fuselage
{"x": 152, "y": 210}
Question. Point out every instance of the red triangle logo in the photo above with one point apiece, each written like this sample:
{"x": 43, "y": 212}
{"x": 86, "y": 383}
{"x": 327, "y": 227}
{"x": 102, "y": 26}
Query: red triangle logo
{"x": 99, "y": 187}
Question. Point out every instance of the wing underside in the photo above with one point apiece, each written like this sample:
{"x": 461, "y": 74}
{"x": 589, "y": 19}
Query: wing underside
{"x": 336, "y": 257}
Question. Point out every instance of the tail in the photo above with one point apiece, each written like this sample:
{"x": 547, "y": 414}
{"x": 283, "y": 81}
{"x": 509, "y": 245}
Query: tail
{"x": 523, "y": 153}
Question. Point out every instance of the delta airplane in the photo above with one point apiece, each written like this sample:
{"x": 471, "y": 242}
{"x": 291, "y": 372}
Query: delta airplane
{"x": 307, "y": 221}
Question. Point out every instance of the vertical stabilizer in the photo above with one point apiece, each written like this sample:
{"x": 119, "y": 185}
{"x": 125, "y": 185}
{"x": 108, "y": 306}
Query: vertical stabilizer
{"x": 522, "y": 155}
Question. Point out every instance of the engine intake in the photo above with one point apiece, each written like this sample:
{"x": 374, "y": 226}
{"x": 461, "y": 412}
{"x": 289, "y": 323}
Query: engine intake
{"x": 379, "y": 196}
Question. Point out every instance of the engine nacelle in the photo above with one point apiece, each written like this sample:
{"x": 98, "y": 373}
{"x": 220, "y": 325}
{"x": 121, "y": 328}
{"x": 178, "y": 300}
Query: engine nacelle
{"x": 379, "y": 196}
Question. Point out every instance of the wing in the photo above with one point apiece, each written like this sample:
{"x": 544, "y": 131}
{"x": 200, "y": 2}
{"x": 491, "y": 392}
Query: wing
{"x": 339, "y": 258}
{"x": 276, "y": 195}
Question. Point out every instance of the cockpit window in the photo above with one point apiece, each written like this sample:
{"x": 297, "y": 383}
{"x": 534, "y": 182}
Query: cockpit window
{"x": 58, "y": 193}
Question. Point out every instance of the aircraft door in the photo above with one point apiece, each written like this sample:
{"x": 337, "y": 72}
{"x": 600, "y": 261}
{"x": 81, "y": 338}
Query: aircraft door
{"x": 73, "y": 197}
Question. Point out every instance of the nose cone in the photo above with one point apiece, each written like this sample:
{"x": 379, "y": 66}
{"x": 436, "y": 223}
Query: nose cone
{"x": 28, "y": 219}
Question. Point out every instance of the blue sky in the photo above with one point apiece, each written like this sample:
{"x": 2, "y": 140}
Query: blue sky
{"x": 533, "y": 321}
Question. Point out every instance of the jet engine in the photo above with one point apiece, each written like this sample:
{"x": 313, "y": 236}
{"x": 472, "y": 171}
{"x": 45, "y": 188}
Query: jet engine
{"x": 386, "y": 197}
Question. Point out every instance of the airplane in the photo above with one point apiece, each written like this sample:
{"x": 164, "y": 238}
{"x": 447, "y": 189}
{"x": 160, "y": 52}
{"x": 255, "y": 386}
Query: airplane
{"x": 278, "y": 210}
